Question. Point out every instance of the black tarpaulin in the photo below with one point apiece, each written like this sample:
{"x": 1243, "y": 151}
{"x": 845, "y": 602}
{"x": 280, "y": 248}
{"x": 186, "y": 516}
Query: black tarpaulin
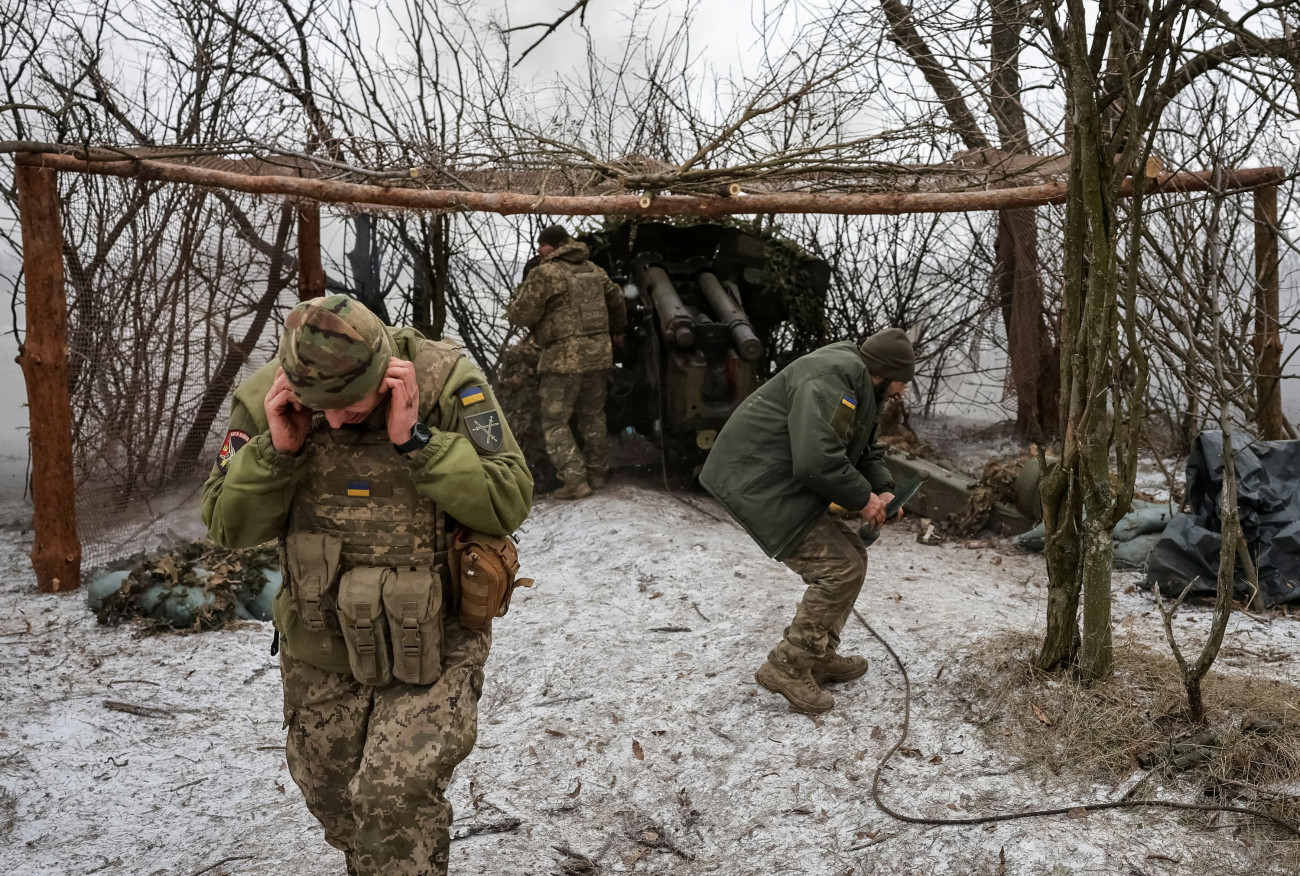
{"x": 1268, "y": 495}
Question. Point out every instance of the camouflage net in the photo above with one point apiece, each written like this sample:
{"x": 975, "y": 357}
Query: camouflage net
{"x": 895, "y": 431}
{"x": 997, "y": 485}
{"x": 195, "y": 587}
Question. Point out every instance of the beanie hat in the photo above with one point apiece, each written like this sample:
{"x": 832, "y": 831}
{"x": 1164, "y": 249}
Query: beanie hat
{"x": 334, "y": 351}
{"x": 889, "y": 355}
{"x": 553, "y": 235}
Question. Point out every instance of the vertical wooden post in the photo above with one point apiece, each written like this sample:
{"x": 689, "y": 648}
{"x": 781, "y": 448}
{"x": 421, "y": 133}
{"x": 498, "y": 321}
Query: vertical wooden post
{"x": 311, "y": 276}
{"x": 56, "y": 553}
{"x": 1268, "y": 338}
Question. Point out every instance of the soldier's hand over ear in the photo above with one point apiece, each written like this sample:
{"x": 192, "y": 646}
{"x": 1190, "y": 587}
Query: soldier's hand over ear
{"x": 403, "y": 399}
{"x": 874, "y": 511}
{"x": 288, "y": 420}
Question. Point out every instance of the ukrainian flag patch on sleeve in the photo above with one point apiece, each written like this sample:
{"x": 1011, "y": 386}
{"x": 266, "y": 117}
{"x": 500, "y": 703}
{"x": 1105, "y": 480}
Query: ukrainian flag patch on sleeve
{"x": 359, "y": 488}
{"x": 471, "y": 395}
{"x": 849, "y": 402}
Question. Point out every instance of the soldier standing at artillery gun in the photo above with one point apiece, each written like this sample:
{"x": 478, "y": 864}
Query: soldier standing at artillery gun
{"x": 571, "y": 307}
{"x": 358, "y": 451}
{"x": 802, "y": 441}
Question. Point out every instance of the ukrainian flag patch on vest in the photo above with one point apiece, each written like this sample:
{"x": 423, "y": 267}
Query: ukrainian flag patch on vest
{"x": 849, "y": 402}
{"x": 359, "y": 488}
{"x": 471, "y": 395}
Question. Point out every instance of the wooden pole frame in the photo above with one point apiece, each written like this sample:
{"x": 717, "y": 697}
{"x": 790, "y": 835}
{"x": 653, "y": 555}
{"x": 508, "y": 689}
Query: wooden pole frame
{"x": 311, "y": 275}
{"x": 1268, "y": 336}
{"x": 56, "y": 551}
{"x": 516, "y": 203}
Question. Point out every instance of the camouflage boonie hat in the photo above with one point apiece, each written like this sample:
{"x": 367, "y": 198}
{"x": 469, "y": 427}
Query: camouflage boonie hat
{"x": 334, "y": 351}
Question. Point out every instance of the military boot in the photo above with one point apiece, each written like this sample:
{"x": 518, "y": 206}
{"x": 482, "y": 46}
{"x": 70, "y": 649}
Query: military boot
{"x": 796, "y": 685}
{"x": 575, "y": 490}
{"x": 835, "y": 669}
{"x": 597, "y": 479}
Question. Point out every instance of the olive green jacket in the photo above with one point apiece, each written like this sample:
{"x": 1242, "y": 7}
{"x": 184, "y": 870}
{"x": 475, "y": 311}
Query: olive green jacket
{"x": 804, "y": 439}
{"x": 247, "y": 496}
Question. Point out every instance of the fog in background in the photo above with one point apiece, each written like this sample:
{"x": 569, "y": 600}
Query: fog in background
{"x": 723, "y": 38}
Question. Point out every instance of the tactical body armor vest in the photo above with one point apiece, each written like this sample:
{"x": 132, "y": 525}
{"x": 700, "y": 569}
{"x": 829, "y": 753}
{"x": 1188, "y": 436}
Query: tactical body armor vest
{"x": 365, "y": 552}
{"x": 359, "y": 491}
{"x": 581, "y": 310}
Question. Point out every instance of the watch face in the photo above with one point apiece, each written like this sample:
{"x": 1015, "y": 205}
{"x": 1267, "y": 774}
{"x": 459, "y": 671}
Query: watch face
{"x": 421, "y": 433}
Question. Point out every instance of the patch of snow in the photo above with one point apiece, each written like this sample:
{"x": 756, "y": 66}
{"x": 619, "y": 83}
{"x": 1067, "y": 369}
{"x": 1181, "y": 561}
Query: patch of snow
{"x": 620, "y": 720}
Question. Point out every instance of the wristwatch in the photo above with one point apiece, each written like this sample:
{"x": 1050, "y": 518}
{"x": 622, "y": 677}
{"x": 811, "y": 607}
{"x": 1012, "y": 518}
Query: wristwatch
{"x": 420, "y": 436}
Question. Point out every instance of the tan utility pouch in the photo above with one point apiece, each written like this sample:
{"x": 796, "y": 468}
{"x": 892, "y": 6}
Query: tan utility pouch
{"x": 365, "y": 630}
{"x": 305, "y": 612}
{"x": 313, "y": 567}
{"x": 413, "y": 603}
{"x": 484, "y": 566}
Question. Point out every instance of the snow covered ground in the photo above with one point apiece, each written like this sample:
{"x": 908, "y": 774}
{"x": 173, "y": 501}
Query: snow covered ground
{"x": 620, "y": 722}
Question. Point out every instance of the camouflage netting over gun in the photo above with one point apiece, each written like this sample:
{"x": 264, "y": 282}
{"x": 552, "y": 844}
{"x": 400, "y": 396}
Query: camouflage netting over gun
{"x": 196, "y": 587}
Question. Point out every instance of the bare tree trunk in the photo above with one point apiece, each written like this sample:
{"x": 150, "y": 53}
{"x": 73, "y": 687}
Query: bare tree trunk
{"x": 236, "y": 354}
{"x": 1232, "y": 549}
{"x": 364, "y": 258}
{"x": 430, "y": 254}
{"x": 1077, "y": 487}
{"x": 1016, "y": 270}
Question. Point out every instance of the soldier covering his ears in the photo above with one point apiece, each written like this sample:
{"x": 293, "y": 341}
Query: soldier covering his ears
{"x": 359, "y": 450}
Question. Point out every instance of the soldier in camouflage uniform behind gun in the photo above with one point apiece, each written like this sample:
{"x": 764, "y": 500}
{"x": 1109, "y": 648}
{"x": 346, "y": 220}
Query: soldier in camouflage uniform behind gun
{"x": 571, "y": 307}
{"x": 358, "y": 450}
{"x": 804, "y": 440}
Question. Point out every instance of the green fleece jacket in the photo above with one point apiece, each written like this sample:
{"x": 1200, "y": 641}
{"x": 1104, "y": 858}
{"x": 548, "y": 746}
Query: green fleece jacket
{"x": 247, "y": 496}
{"x": 804, "y": 439}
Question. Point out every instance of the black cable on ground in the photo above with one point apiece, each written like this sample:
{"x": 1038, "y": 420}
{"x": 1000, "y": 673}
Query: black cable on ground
{"x": 1030, "y": 813}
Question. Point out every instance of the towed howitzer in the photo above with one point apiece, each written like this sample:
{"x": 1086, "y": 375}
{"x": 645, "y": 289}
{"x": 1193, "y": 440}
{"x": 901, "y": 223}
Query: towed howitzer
{"x": 712, "y": 309}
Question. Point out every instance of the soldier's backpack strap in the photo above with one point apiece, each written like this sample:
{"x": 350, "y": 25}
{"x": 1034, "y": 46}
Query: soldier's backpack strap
{"x": 433, "y": 363}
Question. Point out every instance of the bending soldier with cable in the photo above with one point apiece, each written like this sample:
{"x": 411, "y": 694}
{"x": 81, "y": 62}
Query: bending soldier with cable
{"x": 803, "y": 441}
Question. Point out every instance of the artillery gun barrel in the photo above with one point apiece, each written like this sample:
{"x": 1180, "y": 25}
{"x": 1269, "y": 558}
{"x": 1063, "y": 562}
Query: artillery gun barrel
{"x": 728, "y": 311}
{"x": 677, "y": 323}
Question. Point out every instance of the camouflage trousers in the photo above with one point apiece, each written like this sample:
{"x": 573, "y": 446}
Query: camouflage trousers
{"x": 578, "y": 396}
{"x": 374, "y": 763}
{"x": 833, "y": 563}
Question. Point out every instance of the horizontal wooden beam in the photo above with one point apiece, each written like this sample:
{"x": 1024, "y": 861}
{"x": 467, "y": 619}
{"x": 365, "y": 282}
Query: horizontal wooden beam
{"x": 514, "y": 203}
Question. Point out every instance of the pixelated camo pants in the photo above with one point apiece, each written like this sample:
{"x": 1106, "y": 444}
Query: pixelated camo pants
{"x": 374, "y": 763}
{"x": 833, "y": 563}
{"x": 581, "y": 397}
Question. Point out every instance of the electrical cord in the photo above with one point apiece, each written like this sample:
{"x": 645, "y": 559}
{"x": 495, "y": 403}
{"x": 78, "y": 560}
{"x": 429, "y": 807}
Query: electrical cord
{"x": 1030, "y": 813}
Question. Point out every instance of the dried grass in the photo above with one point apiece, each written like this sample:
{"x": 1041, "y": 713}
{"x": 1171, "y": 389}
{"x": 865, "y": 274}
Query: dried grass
{"x": 8, "y": 813}
{"x": 1247, "y": 752}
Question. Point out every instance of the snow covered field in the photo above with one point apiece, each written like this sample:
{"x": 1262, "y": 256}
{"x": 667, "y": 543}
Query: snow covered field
{"x": 620, "y": 722}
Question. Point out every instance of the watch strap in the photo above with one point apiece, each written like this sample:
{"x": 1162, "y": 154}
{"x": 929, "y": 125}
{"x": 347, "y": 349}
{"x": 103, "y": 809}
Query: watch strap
{"x": 420, "y": 437}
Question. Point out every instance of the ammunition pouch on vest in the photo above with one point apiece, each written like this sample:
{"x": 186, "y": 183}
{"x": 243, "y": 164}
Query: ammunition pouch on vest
{"x": 366, "y": 553}
{"x": 305, "y": 610}
{"x": 392, "y": 624}
{"x": 485, "y": 567}
{"x": 581, "y": 311}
